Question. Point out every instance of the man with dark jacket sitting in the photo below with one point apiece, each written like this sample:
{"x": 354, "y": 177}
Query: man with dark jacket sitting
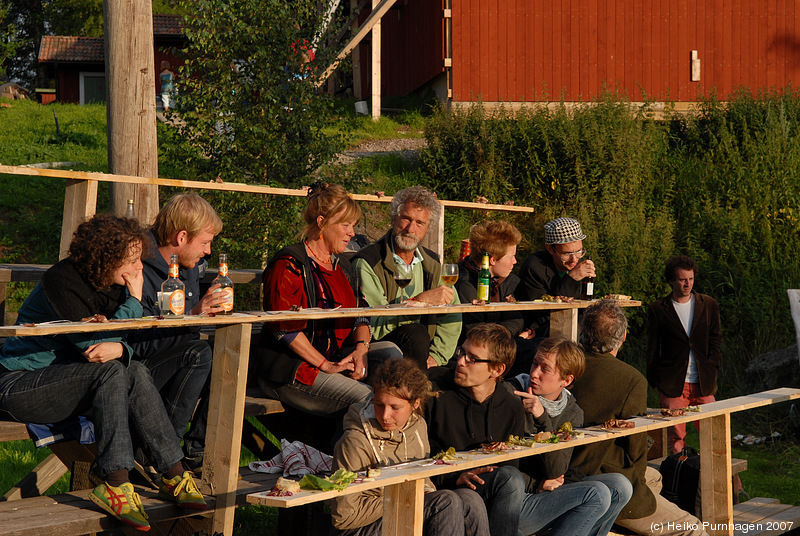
{"x": 178, "y": 360}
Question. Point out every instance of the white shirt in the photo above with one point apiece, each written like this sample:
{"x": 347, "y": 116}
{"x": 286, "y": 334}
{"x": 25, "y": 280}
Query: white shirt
{"x": 686, "y": 315}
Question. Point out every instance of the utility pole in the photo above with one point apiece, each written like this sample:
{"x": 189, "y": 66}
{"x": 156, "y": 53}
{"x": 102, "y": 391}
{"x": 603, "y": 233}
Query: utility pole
{"x": 131, "y": 104}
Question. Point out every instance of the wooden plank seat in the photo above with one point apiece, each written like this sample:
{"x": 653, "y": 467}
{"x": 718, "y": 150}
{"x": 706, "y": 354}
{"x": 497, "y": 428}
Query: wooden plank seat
{"x": 761, "y": 516}
{"x": 74, "y": 514}
{"x": 24, "y": 511}
{"x": 65, "y": 454}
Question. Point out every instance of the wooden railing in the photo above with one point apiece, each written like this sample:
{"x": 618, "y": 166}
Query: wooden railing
{"x": 80, "y": 201}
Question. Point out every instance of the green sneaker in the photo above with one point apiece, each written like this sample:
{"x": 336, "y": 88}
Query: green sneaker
{"x": 183, "y": 491}
{"x": 122, "y": 503}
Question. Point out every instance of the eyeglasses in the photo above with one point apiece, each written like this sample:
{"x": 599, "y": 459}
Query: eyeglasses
{"x": 567, "y": 256}
{"x": 470, "y": 359}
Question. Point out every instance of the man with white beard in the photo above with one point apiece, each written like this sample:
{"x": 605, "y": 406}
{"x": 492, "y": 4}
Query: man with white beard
{"x": 430, "y": 340}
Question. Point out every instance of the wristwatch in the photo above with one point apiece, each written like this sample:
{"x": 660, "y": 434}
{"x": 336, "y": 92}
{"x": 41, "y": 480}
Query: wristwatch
{"x": 365, "y": 343}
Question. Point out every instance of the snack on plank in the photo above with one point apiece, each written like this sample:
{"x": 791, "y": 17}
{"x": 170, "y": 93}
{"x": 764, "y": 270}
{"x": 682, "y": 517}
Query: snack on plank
{"x": 96, "y": 319}
{"x": 557, "y": 299}
{"x": 413, "y": 302}
{"x": 676, "y": 412}
{"x": 618, "y": 297}
{"x": 520, "y": 441}
{"x": 285, "y": 487}
{"x": 495, "y": 446}
{"x": 445, "y": 455}
{"x": 373, "y": 472}
{"x": 618, "y": 423}
{"x": 287, "y": 484}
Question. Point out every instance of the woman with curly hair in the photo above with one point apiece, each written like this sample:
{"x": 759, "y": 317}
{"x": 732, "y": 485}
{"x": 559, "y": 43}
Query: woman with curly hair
{"x": 387, "y": 430}
{"x": 49, "y": 379}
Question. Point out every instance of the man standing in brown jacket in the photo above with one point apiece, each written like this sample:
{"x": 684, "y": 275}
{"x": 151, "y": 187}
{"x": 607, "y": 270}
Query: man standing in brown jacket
{"x": 684, "y": 340}
{"x": 612, "y": 389}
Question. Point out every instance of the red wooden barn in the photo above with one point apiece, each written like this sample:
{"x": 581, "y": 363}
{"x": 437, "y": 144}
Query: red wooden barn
{"x": 549, "y": 50}
{"x": 77, "y": 64}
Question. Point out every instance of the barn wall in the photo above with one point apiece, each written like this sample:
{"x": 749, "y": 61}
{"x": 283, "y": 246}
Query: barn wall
{"x": 529, "y": 50}
{"x": 412, "y": 47}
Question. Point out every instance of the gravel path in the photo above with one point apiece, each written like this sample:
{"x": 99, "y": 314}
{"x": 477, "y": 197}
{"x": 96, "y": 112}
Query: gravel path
{"x": 407, "y": 148}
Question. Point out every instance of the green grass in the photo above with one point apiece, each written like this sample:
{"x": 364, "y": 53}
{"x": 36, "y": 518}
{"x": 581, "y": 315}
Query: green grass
{"x": 28, "y": 134}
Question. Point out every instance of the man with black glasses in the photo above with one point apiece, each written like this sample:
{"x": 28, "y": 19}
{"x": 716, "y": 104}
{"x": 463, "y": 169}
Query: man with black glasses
{"x": 557, "y": 270}
{"x": 471, "y": 410}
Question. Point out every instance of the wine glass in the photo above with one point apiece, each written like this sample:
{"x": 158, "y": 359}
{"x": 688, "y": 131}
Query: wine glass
{"x": 449, "y": 274}
{"x": 402, "y": 277}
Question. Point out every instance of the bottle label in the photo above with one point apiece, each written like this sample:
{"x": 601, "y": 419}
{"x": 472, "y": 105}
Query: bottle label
{"x": 176, "y": 302}
{"x": 590, "y": 288}
{"x": 173, "y": 270}
{"x": 483, "y": 291}
{"x": 226, "y": 297}
{"x": 223, "y": 269}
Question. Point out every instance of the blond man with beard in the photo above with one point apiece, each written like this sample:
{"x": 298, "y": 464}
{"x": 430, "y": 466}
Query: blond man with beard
{"x": 428, "y": 340}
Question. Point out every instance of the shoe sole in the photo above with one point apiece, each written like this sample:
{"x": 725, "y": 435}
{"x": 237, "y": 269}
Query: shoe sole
{"x": 108, "y": 510}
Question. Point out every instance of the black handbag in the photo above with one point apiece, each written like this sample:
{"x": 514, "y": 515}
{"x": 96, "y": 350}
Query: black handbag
{"x": 680, "y": 475}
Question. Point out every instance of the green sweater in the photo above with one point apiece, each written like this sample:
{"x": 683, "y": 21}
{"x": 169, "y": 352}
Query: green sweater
{"x": 375, "y": 267}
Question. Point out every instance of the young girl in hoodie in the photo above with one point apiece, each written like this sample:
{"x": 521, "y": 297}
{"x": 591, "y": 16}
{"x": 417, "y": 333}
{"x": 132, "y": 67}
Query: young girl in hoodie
{"x": 389, "y": 429}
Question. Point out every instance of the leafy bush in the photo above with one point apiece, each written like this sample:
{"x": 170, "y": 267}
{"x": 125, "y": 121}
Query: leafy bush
{"x": 721, "y": 186}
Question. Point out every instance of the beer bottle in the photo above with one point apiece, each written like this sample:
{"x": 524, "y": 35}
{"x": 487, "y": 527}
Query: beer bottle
{"x": 173, "y": 295}
{"x": 130, "y": 211}
{"x": 484, "y": 277}
{"x": 587, "y": 284}
{"x": 225, "y": 285}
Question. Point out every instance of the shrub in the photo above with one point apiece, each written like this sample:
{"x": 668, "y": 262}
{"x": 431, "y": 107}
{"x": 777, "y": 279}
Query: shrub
{"x": 721, "y": 186}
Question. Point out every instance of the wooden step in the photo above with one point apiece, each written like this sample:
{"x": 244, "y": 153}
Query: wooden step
{"x": 761, "y": 516}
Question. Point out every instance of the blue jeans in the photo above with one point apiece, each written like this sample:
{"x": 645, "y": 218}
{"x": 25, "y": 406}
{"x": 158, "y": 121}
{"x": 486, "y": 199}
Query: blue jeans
{"x": 571, "y": 509}
{"x": 330, "y": 393}
{"x": 181, "y": 374}
{"x": 621, "y": 492}
{"x": 116, "y": 399}
{"x": 447, "y": 512}
{"x": 503, "y": 492}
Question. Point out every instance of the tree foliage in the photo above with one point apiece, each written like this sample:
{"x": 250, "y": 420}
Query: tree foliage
{"x": 247, "y": 95}
{"x": 252, "y": 113}
{"x": 24, "y": 22}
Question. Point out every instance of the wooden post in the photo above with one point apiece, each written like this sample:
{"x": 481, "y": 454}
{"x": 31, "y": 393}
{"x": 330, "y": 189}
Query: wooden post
{"x": 402, "y": 508}
{"x": 376, "y": 67}
{"x": 564, "y": 323}
{"x": 225, "y": 416}
{"x": 80, "y": 204}
{"x": 5, "y": 279}
{"x": 434, "y": 238}
{"x": 131, "y": 103}
{"x": 716, "y": 491}
{"x": 356, "y": 55}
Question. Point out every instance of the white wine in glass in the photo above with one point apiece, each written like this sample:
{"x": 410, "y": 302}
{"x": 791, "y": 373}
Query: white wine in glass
{"x": 449, "y": 274}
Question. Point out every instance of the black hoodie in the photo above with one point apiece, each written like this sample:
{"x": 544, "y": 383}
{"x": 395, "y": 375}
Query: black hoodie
{"x": 455, "y": 419}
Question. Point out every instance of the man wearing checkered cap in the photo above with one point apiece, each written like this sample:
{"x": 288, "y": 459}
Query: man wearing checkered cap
{"x": 557, "y": 270}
